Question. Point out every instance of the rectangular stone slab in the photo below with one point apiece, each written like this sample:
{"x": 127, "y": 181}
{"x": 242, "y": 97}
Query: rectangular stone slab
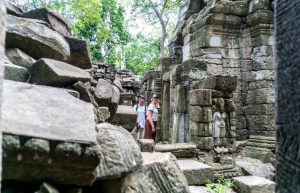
{"x": 47, "y": 113}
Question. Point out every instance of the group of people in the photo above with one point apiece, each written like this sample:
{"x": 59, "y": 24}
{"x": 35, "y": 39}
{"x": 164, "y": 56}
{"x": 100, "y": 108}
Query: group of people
{"x": 146, "y": 117}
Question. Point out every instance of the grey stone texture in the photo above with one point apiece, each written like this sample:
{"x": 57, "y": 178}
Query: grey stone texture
{"x": 56, "y": 73}
{"x": 119, "y": 153}
{"x": 164, "y": 169}
{"x": 36, "y": 39}
{"x": 146, "y": 145}
{"x": 196, "y": 172}
{"x": 256, "y": 168}
{"x": 125, "y": 117}
{"x": 2, "y": 48}
{"x": 12, "y": 9}
{"x": 80, "y": 55}
{"x": 14, "y": 72}
{"x": 107, "y": 95}
{"x": 29, "y": 113}
{"x": 56, "y": 21}
{"x": 231, "y": 38}
{"x": 179, "y": 150}
{"x": 19, "y": 57}
{"x": 253, "y": 184}
{"x": 287, "y": 92}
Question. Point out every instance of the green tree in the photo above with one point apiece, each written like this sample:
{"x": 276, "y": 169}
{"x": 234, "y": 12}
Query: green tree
{"x": 100, "y": 22}
{"x": 141, "y": 54}
{"x": 159, "y": 11}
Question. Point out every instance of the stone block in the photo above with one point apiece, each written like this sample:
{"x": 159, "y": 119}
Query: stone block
{"x": 196, "y": 172}
{"x": 118, "y": 151}
{"x": 125, "y": 117}
{"x": 107, "y": 95}
{"x": 199, "y": 189}
{"x": 160, "y": 165}
{"x": 255, "y": 5}
{"x": 253, "y": 184}
{"x": 180, "y": 98}
{"x": 265, "y": 75}
{"x": 179, "y": 150}
{"x": 146, "y": 145}
{"x": 231, "y": 63}
{"x": 19, "y": 57}
{"x": 256, "y": 168}
{"x": 14, "y": 72}
{"x": 260, "y": 17}
{"x": 261, "y": 84}
{"x": 200, "y": 114}
{"x": 55, "y": 73}
{"x": 200, "y": 97}
{"x": 219, "y": 82}
{"x": 214, "y": 69}
{"x": 13, "y": 10}
{"x": 56, "y": 21}
{"x": 203, "y": 143}
{"x": 80, "y": 55}
{"x": 261, "y": 96}
{"x": 70, "y": 133}
{"x": 261, "y": 109}
{"x": 37, "y": 39}
{"x": 200, "y": 129}
{"x": 239, "y": 8}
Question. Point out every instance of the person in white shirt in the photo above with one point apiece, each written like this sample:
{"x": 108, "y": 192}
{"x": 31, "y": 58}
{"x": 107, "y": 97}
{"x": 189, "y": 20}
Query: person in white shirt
{"x": 141, "y": 110}
{"x": 152, "y": 118}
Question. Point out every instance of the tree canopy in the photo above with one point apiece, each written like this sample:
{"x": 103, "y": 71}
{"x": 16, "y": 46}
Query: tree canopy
{"x": 105, "y": 25}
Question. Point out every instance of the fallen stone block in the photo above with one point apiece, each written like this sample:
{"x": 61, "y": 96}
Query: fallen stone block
{"x": 118, "y": 151}
{"x": 199, "y": 189}
{"x": 126, "y": 117}
{"x": 11, "y": 9}
{"x": 36, "y": 39}
{"x": 14, "y": 72}
{"x": 159, "y": 174}
{"x": 56, "y": 21}
{"x": 80, "y": 55}
{"x": 179, "y": 150}
{"x": 253, "y": 184}
{"x": 19, "y": 57}
{"x": 196, "y": 172}
{"x": 146, "y": 145}
{"x": 107, "y": 95}
{"x": 55, "y": 73}
{"x": 45, "y": 130}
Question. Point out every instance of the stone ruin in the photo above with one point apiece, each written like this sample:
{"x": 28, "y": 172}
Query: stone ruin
{"x": 57, "y": 113}
{"x": 217, "y": 88}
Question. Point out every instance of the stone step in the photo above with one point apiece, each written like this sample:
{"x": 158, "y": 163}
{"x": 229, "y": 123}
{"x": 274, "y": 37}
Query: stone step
{"x": 180, "y": 150}
{"x": 196, "y": 172}
{"x": 254, "y": 184}
{"x": 262, "y": 145}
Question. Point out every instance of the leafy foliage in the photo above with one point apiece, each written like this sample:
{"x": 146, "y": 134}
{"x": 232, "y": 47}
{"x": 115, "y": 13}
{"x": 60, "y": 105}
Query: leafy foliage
{"x": 100, "y": 22}
{"x": 222, "y": 186}
{"x": 141, "y": 54}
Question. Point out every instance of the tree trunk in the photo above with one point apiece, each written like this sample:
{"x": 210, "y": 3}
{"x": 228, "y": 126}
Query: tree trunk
{"x": 162, "y": 44}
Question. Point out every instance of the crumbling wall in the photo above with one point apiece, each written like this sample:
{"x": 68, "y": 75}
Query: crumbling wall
{"x": 233, "y": 38}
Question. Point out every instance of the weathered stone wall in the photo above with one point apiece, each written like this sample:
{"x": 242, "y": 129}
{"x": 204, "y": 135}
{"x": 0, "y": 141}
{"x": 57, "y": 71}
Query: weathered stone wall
{"x": 2, "y": 47}
{"x": 287, "y": 95}
{"x": 233, "y": 38}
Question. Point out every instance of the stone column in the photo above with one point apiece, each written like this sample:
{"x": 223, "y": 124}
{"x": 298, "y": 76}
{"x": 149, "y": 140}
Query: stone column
{"x": 288, "y": 93}
{"x": 2, "y": 41}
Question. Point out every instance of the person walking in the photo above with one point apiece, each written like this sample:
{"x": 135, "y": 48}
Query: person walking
{"x": 152, "y": 117}
{"x": 141, "y": 110}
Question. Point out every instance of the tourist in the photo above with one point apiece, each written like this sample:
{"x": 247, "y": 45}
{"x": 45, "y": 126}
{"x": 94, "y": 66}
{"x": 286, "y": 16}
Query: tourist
{"x": 141, "y": 110}
{"x": 152, "y": 117}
